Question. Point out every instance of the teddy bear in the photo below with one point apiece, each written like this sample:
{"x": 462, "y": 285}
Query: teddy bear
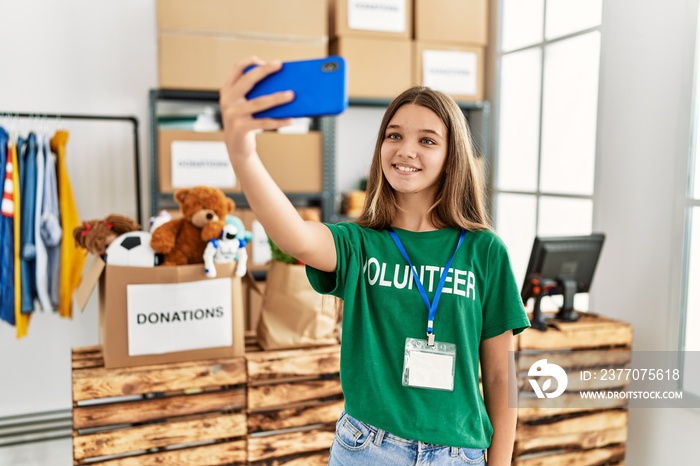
{"x": 183, "y": 240}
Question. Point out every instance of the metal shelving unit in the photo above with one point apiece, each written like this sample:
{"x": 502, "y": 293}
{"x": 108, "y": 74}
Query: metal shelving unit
{"x": 325, "y": 199}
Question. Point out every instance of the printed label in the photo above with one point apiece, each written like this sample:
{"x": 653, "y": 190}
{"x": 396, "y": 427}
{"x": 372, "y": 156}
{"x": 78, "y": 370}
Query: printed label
{"x": 450, "y": 71}
{"x": 164, "y": 318}
{"x": 196, "y": 163}
{"x": 377, "y": 15}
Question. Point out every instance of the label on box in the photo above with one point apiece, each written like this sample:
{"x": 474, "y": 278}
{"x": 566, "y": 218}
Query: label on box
{"x": 197, "y": 163}
{"x": 262, "y": 253}
{"x": 169, "y": 317}
{"x": 450, "y": 71}
{"x": 377, "y": 15}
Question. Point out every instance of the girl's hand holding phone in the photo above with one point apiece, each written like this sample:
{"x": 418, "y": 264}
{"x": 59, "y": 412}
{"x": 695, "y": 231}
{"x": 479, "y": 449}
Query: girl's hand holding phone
{"x": 237, "y": 111}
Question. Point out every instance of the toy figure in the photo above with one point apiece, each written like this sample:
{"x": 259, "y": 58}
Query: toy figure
{"x": 230, "y": 247}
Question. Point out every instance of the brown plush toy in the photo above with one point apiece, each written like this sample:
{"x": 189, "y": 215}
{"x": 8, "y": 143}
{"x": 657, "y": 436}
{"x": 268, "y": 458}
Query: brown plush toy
{"x": 182, "y": 240}
{"x": 96, "y": 235}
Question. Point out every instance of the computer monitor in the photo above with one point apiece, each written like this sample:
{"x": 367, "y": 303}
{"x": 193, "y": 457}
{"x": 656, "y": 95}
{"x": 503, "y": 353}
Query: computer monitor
{"x": 561, "y": 265}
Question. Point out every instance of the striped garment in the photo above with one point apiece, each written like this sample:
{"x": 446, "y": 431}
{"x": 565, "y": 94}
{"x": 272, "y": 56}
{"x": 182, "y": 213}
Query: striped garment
{"x": 8, "y": 192}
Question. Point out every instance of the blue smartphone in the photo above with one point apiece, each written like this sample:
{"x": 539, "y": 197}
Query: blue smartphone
{"x": 320, "y": 88}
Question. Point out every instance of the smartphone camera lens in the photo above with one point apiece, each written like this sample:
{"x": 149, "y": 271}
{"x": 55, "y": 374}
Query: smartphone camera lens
{"x": 330, "y": 66}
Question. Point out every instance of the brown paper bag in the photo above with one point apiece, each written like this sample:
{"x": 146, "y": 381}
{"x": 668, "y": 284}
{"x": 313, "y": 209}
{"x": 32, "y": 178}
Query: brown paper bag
{"x": 293, "y": 314}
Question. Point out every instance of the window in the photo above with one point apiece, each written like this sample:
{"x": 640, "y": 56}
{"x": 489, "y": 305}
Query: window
{"x": 691, "y": 273}
{"x": 544, "y": 166}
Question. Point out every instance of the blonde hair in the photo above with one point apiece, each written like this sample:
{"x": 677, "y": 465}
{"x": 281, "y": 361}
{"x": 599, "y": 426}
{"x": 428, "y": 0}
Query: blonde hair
{"x": 460, "y": 198}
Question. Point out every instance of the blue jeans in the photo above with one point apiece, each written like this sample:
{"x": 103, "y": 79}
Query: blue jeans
{"x": 359, "y": 444}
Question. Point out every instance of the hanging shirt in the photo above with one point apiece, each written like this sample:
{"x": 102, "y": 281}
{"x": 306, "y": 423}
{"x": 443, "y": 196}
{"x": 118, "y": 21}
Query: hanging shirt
{"x": 21, "y": 320}
{"x": 51, "y": 231}
{"x": 72, "y": 259}
{"x": 7, "y": 280}
{"x": 42, "y": 259}
{"x": 8, "y": 195}
{"x": 28, "y": 176}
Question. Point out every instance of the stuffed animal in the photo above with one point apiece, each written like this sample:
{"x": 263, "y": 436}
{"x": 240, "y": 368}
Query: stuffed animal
{"x": 95, "y": 235}
{"x": 182, "y": 240}
{"x": 229, "y": 247}
{"x": 157, "y": 220}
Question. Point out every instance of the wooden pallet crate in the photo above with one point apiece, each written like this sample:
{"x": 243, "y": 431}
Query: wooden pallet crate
{"x": 177, "y": 414}
{"x": 294, "y": 401}
{"x": 567, "y": 430}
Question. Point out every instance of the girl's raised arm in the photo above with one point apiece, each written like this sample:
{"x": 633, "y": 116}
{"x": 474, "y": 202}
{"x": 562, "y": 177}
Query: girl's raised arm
{"x": 307, "y": 241}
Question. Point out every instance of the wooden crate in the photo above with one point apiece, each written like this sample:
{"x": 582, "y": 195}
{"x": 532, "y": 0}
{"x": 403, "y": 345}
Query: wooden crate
{"x": 569, "y": 431}
{"x": 280, "y": 407}
{"x": 176, "y": 414}
{"x": 294, "y": 400}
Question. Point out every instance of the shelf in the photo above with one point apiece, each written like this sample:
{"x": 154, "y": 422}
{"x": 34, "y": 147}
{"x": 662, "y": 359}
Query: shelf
{"x": 166, "y": 201}
{"x": 367, "y": 102}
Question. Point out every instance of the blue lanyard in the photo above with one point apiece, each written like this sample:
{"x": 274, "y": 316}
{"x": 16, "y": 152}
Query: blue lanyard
{"x": 432, "y": 307}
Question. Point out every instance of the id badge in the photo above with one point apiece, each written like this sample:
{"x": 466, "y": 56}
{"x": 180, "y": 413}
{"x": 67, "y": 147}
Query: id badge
{"x": 429, "y": 366}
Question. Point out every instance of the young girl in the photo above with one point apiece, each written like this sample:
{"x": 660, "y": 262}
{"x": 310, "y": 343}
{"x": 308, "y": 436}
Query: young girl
{"x": 409, "y": 367}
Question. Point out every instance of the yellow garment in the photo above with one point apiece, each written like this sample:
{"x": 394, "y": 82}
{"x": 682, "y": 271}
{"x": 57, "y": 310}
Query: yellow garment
{"x": 72, "y": 259}
{"x": 21, "y": 320}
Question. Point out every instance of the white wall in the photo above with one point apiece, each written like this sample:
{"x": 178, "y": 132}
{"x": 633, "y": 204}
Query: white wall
{"x": 647, "y": 59}
{"x": 82, "y": 56}
{"x": 73, "y": 57}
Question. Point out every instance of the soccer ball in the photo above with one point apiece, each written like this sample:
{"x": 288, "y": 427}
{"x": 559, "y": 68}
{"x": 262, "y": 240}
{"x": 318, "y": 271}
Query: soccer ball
{"x": 132, "y": 249}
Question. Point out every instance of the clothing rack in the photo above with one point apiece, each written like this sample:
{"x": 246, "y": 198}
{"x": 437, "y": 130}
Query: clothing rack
{"x": 130, "y": 119}
{"x": 54, "y": 425}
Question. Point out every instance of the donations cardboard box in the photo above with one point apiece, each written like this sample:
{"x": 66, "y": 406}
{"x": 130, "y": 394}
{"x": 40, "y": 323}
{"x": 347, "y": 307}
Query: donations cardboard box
{"x": 154, "y": 315}
{"x": 283, "y": 19}
{"x": 377, "y": 68}
{"x": 462, "y": 21}
{"x": 189, "y": 158}
{"x": 259, "y": 251}
{"x": 457, "y": 70}
{"x": 371, "y": 18}
{"x": 200, "y": 42}
{"x": 204, "y": 62}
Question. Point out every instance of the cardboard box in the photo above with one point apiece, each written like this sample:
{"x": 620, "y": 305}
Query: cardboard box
{"x": 189, "y": 158}
{"x": 165, "y": 314}
{"x": 295, "y": 161}
{"x": 457, "y": 70}
{"x": 259, "y": 253}
{"x": 254, "y": 305}
{"x": 461, "y": 21}
{"x": 377, "y": 68}
{"x": 204, "y": 62}
{"x": 284, "y": 19}
{"x": 371, "y": 18}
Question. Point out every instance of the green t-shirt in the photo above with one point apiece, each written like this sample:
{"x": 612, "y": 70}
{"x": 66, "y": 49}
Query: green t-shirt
{"x": 382, "y": 307}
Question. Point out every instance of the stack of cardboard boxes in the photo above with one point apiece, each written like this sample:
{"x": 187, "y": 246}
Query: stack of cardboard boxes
{"x": 451, "y": 36}
{"x": 374, "y": 37}
{"x": 389, "y": 44}
{"x": 199, "y": 42}
{"x": 393, "y": 44}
